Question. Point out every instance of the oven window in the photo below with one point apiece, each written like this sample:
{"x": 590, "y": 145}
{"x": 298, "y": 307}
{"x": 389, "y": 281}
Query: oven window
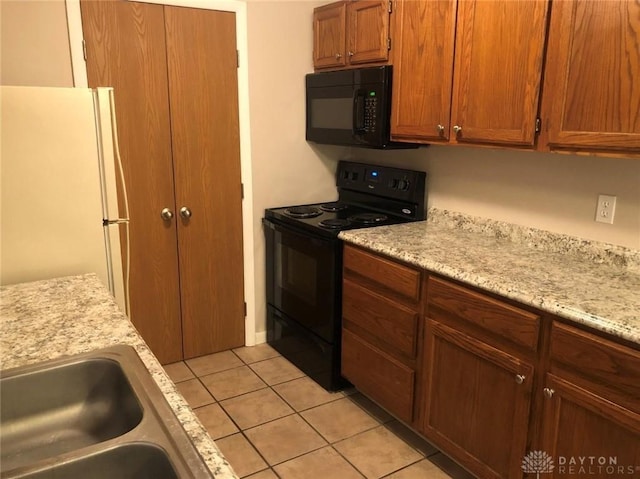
{"x": 297, "y": 274}
{"x": 303, "y": 273}
{"x": 332, "y": 113}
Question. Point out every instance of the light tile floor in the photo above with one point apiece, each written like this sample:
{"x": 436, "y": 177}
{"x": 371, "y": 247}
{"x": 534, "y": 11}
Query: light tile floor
{"x": 271, "y": 421}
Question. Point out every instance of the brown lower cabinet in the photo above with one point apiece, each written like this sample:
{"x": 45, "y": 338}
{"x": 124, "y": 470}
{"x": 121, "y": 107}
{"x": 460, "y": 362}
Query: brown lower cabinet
{"x": 477, "y": 401}
{"x": 487, "y": 380}
{"x": 591, "y": 405}
{"x": 380, "y": 313}
{"x": 478, "y": 369}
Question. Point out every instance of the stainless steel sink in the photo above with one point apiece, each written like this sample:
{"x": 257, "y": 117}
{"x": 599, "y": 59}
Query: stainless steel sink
{"x": 51, "y": 411}
{"x": 94, "y": 415}
{"x": 129, "y": 461}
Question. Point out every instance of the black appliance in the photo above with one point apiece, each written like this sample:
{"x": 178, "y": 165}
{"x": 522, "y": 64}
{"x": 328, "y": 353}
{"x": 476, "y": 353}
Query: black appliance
{"x": 351, "y": 107}
{"x": 304, "y": 261}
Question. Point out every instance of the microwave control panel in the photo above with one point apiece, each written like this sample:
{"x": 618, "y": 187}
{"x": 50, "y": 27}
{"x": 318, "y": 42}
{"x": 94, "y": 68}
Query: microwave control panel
{"x": 370, "y": 113}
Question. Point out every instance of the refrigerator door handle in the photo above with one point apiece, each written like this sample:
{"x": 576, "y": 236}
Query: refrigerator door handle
{"x": 118, "y": 221}
{"x": 111, "y": 170}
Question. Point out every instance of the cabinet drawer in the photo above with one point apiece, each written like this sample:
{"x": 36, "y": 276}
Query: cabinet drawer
{"x": 384, "y": 272}
{"x": 393, "y": 324}
{"x": 379, "y": 376}
{"x": 509, "y": 322}
{"x": 606, "y": 362}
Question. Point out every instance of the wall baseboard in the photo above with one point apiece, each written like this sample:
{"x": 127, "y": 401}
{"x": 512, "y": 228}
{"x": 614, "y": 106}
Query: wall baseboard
{"x": 261, "y": 337}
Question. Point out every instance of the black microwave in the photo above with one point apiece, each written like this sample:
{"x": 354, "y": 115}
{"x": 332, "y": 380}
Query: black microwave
{"x": 351, "y": 107}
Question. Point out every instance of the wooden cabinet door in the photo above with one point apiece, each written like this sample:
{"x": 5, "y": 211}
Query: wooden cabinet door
{"x": 329, "y": 35}
{"x": 378, "y": 375}
{"x": 424, "y": 35}
{"x": 202, "y": 66}
{"x": 498, "y": 66}
{"x": 591, "y": 93}
{"x": 125, "y": 44}
{"x": 367, "y": 31}
{"x": 580, "y": 424}
{"x": 477, "y": 402}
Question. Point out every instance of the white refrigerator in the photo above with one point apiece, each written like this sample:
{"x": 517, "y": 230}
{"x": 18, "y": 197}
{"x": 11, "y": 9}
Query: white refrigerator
{"x": 59, "y": 210}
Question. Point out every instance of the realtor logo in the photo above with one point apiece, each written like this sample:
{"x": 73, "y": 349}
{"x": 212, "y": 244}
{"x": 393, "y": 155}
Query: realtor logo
{"x": 537, "y": 462}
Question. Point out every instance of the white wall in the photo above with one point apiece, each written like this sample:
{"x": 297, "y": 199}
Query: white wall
{"x": 34, "y": 43}
{"x": 286, "y": 170}
{"x": 549, "y": 191}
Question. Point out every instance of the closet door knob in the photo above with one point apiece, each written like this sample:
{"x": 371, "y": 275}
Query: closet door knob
{"x": 520, "y": 378}
{"x": 440, "y": 129}
{"x": 548, "y": 392}
{"x": 166, "y": 214}
{"x": 457, "y": 129}
{"x": 185, "y": 212}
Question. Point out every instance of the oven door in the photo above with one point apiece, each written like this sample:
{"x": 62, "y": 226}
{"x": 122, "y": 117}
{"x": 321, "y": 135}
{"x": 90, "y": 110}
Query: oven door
{"x": 303, "y": 278}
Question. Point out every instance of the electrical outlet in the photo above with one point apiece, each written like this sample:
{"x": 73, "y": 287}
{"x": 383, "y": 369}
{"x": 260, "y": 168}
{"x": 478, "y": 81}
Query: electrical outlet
{"x": 606, "y": 209}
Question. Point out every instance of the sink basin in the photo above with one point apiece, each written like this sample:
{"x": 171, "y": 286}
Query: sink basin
{"x": 130, "y": 461}
{"x": 47, "y": 412}
{"x": 93, "y": 415}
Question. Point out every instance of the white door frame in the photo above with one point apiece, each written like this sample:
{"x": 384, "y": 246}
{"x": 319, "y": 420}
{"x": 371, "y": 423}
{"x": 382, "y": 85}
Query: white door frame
{"x": 74, "y": 22}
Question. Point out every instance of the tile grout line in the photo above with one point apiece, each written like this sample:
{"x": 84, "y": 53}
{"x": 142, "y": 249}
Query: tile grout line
{"x": 299, "y": 413}
{"x": 292, "y": 406}
{"x": 240, "y": 430}
{"x": 328, "y": 443}
{"x": 295, "y": 412}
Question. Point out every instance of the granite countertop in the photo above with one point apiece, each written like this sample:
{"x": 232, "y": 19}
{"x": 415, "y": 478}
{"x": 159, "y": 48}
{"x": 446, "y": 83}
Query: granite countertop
{"x": 592, "y": 283}
{"x": 63, "y": 316}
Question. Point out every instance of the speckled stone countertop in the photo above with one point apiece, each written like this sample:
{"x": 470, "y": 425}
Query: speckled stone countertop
{"x": 59, "y": 317}
{"x": 592, "y": 283}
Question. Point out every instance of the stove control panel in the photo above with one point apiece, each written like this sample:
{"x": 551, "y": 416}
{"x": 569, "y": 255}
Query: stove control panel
{"x": 385, "y": 181}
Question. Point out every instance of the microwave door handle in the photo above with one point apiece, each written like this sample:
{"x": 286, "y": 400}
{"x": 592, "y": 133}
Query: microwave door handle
{"x": 358, "y": 112}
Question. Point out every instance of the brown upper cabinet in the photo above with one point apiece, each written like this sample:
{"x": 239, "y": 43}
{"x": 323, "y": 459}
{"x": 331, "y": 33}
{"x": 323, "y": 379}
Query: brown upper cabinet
{"x": 591, "y": 95}
{"x": 351, "y": 33}
{"x": 468, "y": 71}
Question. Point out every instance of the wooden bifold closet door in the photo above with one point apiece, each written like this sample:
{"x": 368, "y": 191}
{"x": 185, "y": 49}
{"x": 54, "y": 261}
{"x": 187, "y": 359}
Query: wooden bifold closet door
{"x": 174, "y": 72}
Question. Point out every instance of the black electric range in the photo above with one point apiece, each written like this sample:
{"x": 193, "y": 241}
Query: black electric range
{"x": 304, "y": 260}
{"x": 369, "y": 195}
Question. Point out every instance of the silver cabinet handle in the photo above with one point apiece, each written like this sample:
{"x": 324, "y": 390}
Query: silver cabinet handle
{"x": 338, "y": 56}
{"x": 520, "y": 378}
{"x": 185, "y": 212}
{"x": 440, "y": 128}
{"x": 548, "y": 392}
{"x": 457, "y": 129}
{"x": 166, "y": 214}
{"x": 351, "y": 54}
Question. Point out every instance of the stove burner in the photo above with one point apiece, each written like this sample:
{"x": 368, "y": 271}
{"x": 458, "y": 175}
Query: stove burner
{"x": 368, "y": 218}
{"x": 334, "y": 224}
{"x": 333, "y": 206}
{"x": 303, "y": 212}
